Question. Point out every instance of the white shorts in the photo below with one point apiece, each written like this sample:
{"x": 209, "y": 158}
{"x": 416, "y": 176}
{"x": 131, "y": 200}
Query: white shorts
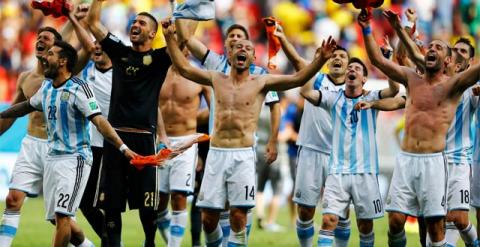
{"x": 419, "y": 185}
{"x": 458, "y": 196}
{"x": 361, "y": 189}
{"x": 178, "y": 174}
{"x": 229, "y": 176}
{"x": 65, "y": 179}
{"x": 475, "y": 184}
{"x": 27, "y": 174}
{"x": 312, "y": 171}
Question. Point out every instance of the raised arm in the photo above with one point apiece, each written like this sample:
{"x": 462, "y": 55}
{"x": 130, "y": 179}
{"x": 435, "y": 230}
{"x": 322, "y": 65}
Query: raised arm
{"x": 462, "y": 81}
{"x": 410, "y": 46}
{"x": 111, "y": 135}
{"x": 389, "y": 68}
{"x": 391, "y": 90}
{"x": 185, "y": 33}
{"x": 284, "y": 82}
{"x": 83, "y": 36}
{"x": 180, "y": 61}
{"x": 17, "y": 110}
{"x": 297, "y": 61}
{"x": 93, "y": 19}
{"x": 388, "y": 104}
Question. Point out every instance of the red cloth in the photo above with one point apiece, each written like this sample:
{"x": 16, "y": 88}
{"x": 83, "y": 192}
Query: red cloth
{"x": 362, "y": 4}
{"x": 273, "y": 42}
{"x": 56, "y": 8}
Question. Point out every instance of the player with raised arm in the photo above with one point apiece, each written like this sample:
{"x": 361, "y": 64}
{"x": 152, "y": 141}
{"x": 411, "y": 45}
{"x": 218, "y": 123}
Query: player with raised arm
{"x": 221, "y": 63}
{"x": 431, "y": 102}
{"x": 180, "y": 101}
{"x": 230, "y": 167}
{"x": 138, "y": 73}
{"x": 353, "y": 164}
{"x": 67, "y": 103}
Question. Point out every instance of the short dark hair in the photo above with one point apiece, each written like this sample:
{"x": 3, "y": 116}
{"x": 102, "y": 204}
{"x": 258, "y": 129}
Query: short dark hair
{"x": 238, "y": 26}
{"x": 341, "y": 48}
{"x": 52, "y": 30}
{"x": 67, "y": 52}
{"x": 471, "y": 50}
{"x": 357, "y": 60}
{"x": 151, "y": 17}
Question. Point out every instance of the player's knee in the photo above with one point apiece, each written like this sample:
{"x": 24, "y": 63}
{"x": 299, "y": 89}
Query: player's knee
{"x": 179, "y": 201}
{"x": 461, "y": 220}
{"x": 365, "y": 226}
{"x": 209, "y": 222}
{"x": 305, "y": 213}
{"x": 329, "y": 221}
{"x": 14, "y": 202}
{"x": 396, "y": 222}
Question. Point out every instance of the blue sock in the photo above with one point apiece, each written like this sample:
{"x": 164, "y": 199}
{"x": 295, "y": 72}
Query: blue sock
{"x": 163, "y": 224}
{"x": 325, "y": 238}
{"x": 367, "y": 240}
{"x": 397, "y": 240}
{"x": 305, "y": 232}
{"x": 342, "y": 233}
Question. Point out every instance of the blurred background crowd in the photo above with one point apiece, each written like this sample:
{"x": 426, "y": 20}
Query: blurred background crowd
{"x": 305, "y": 22}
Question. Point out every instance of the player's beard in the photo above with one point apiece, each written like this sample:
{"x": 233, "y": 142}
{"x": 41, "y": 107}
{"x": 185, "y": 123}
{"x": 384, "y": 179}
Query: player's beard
{"x": 51, "y": 71}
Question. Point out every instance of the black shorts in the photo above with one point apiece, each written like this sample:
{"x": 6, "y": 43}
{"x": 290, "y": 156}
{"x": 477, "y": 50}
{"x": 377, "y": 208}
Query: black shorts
{"x": 267, "y": 172}
{"x": 88, "y": 199}
{"x": 122, "y": 181}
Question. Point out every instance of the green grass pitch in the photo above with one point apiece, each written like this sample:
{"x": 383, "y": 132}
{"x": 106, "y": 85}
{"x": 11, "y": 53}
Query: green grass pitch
{"x": 35, "y": 231}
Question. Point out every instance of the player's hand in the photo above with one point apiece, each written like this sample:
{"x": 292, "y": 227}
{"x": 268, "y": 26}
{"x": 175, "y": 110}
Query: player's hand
{"x": 411, "y": 15}
{"x": 475, "y": 90}
{"x": 271, "y": 152}
{"x": 168, "y": 28}
{"x": 326, "y": 49}
{"x": 393, "y": 18}
{"x": 279, "y": 32}
{"x": 363, "y": 105}
{"x": 130, "y": 154}
{"x": 81, "y": 11}
{"x": 386, "y": 48}
{"x": 363, "y": 19}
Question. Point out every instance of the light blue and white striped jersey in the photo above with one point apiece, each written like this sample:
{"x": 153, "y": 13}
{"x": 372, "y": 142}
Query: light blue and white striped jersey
{"x": 316, "y": 124}
{"x": 67, "y": 109}
{"x": 354, "y": 146}
{"x": 217, "y": 62}
{"x": 459, "y": 136}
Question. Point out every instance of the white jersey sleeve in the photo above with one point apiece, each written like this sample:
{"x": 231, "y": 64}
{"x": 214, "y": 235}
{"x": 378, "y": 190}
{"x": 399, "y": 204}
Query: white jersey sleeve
{"x": 36, "y": 100}
{"x": 328, "y": 98}
{"x": 214, "y": 61}
{"x": 85, "y": 101}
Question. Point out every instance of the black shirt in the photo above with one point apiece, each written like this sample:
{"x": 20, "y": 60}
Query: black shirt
{"x": 136, "y": 81}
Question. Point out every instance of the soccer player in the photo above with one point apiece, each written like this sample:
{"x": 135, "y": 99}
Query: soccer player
{"x": 221, "y": 63}
{"x": 67, "y": 103}
{"x": 180, "y": 101}
{"x": 353, "y": 163}
{"x": 315, "y": 142}
{"x": 230, "y": 167}
{"x": 431, "y": 101}
{"x": 138, "y": 73}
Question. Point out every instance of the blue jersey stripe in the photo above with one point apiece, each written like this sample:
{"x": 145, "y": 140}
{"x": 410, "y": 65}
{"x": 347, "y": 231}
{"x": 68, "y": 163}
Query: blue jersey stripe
{"x": 341, "y": 148}
{"x": 353, "y": 150}
{"x": 51, "y": 117}
{"x": 64, "y": 119}
{"x": 366, "y": 141}
{"x": 458, "y": 131}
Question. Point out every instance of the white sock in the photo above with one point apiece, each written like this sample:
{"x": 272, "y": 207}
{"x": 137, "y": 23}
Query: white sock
{"x": 238, "y": 239}
{"x": 398, "y": 239}
{"x": 249, "y": 222}
{"x": 8, "y": 228}
{"x": 163, "y": 224}
{"x": 305, "y": 232}
{"x": 325, "y": 238}
{"x": 214, "y": 239}
{"x": 367, "y": 240}
{"x": 451, "y": 233}
{"x": 177, "y": 228}
{"x": 86, "y": 243}
{"x": 469, "y": 235}
{"x": 342, "y": 233}
{"x": 225, "y": 224}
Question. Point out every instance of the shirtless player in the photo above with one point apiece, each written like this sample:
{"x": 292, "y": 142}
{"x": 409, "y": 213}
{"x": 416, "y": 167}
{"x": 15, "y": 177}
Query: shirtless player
{"x": 230, "y": 165}
{"x": 179, "y": 103}
{"x": 431, "y": 103}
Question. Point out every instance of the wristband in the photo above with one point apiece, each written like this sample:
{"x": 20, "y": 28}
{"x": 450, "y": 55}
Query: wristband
{"x": 123, "y": 148}
{"x": 367, "y": 30}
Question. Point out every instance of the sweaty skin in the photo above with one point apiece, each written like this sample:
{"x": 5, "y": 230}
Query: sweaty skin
{"x": 179, "y": 103}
